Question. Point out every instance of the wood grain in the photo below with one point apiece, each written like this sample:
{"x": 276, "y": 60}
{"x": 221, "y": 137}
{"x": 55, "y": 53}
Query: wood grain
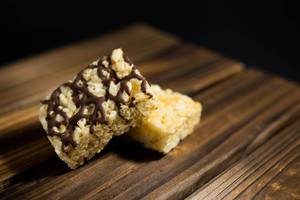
{"x": 135, "y": 178}
{"x": 175, "y": 63}
{"x": 248, "y": 177}
{"x": 246, "y": 146}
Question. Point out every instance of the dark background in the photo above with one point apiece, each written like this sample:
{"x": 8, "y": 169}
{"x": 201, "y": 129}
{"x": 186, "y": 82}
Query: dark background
{"x": 259, "y": 33}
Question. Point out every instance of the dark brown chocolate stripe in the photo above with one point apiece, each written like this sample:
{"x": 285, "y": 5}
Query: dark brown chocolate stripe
{"x": 82, "y": 98}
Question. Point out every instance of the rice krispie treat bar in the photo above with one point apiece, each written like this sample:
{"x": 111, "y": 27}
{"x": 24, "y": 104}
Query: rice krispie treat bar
{"x": 174, "y": 118}
{"x": 104, "y": 99}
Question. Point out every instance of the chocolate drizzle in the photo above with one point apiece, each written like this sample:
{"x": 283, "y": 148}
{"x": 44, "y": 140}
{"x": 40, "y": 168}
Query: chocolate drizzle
{"x": 82, "y": 98}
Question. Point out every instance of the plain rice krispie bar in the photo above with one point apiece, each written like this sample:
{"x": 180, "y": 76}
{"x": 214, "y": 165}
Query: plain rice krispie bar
{"x": 104, "y": 99}
{"x": 174, "y": 118}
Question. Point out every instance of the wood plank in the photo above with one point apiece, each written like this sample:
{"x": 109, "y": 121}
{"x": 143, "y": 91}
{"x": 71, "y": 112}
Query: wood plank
{"x": 247, "y": 145}
{"x": 189, "y": 56}
{"x": 255, "y": 171}
{"x": 122, "y": 174}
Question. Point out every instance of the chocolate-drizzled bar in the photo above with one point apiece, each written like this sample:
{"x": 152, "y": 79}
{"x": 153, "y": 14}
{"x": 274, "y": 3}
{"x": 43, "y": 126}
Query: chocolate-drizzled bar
{"x": 104, "y": 99}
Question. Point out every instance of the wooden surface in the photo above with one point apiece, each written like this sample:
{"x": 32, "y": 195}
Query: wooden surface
{"x": 246, "y": 146}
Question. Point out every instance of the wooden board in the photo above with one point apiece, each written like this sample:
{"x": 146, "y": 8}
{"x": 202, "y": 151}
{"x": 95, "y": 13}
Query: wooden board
{"x": 246, "y": 146}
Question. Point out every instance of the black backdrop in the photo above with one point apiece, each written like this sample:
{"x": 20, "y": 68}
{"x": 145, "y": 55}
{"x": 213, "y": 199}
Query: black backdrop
{"x": 260, "y": 33}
